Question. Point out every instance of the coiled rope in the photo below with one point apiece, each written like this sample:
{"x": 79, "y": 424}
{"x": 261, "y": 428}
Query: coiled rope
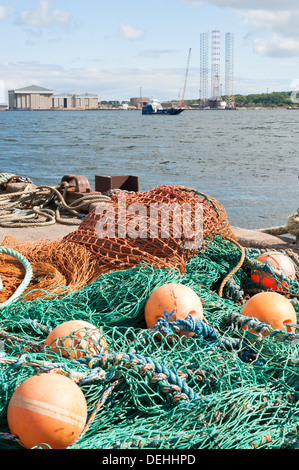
{"x": 30, "y": 207}
{"x": 291, "y": 227}
{"x": 26, "y": 280}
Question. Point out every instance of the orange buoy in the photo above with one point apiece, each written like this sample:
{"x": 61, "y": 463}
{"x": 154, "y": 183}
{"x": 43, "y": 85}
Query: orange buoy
{"x": 176, "y": 298}
{"x": 271, "y": 308}
{"x": 76, "y": 338}
{"x": 47, "y": 409}
{"x": 282, "y": 263}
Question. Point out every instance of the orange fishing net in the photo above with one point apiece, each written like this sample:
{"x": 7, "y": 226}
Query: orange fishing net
{"x": 151, "y": 238}
{"x": 57, "y": 267}
{"x": 167, "y": 239}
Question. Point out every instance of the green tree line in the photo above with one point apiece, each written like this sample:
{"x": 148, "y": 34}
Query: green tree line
{"x": 276, "y": 99}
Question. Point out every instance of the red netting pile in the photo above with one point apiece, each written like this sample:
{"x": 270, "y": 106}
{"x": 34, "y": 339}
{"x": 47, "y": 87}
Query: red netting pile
{"x": 133, "y": 227}
{"x": 143, "y": 229}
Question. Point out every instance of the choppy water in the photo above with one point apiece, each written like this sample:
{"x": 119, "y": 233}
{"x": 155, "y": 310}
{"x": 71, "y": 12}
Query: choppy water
{"x": 248, "y": 160}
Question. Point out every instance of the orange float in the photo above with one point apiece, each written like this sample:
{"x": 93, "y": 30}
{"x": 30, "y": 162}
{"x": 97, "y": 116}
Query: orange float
{"x": 282, "y": 263}
{"x": 76, "y": 338}
{"x": 176, "y": 298}
{"x": 271, "y": 308}
{"x": 47, "y": 410}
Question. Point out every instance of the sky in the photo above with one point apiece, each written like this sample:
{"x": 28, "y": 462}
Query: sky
{"x": 119, "y": 49}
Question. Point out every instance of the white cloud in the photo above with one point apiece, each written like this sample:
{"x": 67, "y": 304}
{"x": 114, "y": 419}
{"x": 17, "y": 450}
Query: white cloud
{"x": 247, "y": 4}
{"x": 109, "y": 83}
{"x": 282, "y": 22}
{"x": 277, "y": 46}
{"x": 273, "y": 24}
{"x": 129, "y": 32}
{"x": 118, "y": 83}
{"x": 275, "y": 33}
{"x": 44, "y": 16}
{"x": 5, "y": 12}
{"x": 155, "y": 53}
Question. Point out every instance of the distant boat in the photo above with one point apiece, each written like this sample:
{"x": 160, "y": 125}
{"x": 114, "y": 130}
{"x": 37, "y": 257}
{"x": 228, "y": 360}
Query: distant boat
{"x": 154, "y": 107}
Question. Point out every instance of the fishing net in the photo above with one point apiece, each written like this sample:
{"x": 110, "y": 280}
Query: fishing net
{"x": 148, "y": 240}
{"x": 223, "y": 388}
{"x": 162, "y": 233}
{"x": 57, "y": 267}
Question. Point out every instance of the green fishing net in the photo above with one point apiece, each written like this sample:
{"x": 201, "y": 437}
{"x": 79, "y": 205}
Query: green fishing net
{"x": 223, "y": 388}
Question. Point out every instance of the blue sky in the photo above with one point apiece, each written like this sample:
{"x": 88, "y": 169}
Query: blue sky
{"x": 114, "y": 48}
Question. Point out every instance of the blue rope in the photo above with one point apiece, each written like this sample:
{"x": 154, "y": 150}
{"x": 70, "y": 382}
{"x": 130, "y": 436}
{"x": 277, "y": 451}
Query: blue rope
{"x": 26, "y": 280}
{"x": 161, "y": 369}
{"x": 188, "y": 324}
{"x": 198, "y": 327}
{"x": 137, "y": 359}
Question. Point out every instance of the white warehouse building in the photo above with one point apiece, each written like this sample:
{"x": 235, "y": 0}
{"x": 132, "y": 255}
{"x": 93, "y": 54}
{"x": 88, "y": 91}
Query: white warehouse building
{"x": 36, "y": 97}
{"x": 30, "y": 97}
{"x": 74, "y": 101}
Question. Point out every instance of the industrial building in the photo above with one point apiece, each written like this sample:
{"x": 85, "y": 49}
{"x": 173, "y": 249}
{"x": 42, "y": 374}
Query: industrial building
{"x": 75, "y": 101}
{"x": 35, "y": 97}
{"x": 139, "y": 102}
{"x": 30, "y": 97}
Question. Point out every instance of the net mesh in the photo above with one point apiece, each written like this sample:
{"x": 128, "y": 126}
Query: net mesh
{"x": 57, "y": 267}
{"x": 223, "y": 388}
{"x": 149, "y": 242}
{"x": 84, "y": 254}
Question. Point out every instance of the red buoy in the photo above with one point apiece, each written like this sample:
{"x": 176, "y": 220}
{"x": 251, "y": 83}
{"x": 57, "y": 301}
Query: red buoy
{"x": 176, "y": 298}
{"x": 47, "y": 409}
{"x": 282, "y": 263}
{"x": 76, "y": 338}
{"x": 271, "y": 308}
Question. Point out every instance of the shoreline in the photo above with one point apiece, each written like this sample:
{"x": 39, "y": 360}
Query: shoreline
{"x": 238, "y": 108}
{"x": 78, "y": 198}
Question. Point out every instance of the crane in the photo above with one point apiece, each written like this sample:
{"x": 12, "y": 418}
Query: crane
{"x": 185, "y": 83}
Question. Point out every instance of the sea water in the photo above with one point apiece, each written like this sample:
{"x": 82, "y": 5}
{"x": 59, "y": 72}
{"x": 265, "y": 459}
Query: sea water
{"x": 247, "y": 159}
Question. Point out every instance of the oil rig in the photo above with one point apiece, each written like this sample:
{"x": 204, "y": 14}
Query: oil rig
{"x": 210, "y": 73}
